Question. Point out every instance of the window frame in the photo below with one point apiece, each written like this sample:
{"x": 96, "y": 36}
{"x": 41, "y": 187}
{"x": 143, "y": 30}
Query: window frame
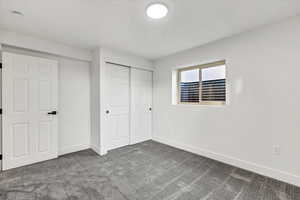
{"x": 200, "y": 67}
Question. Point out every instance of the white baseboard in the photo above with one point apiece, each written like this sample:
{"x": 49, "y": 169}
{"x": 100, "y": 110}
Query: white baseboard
{"x": 73, "y": 148}
{"x": 96, "y": 149}
{"x": 250, "y": 166}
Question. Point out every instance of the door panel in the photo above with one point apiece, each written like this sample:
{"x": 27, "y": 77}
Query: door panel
{"x": 45, "y": 95}
{"x": 20, "y": 66}
{"x": 29, "y": 93}
{"x": 44, "y": 133}
{"x": 20, "y": 95}
{"x": 20, "y": 139}
{"x": 141, "y": 105}
{"x": 117, "y": 120}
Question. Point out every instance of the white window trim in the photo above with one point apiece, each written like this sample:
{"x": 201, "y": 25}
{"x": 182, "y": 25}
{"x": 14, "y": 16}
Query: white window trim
{"x": 200, "y": 67}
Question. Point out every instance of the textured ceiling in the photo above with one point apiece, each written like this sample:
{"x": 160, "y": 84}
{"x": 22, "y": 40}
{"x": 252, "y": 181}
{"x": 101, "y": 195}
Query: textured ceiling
{"x": 122, "y": 24}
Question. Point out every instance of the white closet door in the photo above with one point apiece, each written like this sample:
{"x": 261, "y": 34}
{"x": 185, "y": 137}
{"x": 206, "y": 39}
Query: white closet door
{"x": 117, "y": 111}
{"x": 29, "y": 95}
{"x": 141, "y": 105}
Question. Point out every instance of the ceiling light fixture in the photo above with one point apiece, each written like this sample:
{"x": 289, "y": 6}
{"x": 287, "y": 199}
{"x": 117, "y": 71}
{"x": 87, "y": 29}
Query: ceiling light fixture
{"x": 157, "y": 11}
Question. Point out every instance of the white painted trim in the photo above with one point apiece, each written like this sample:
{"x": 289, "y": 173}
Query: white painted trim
{"x": 103, "y": 151}
{"x": 127, "y": 59}
{"x": 73, "y": 148}
{"x": 28, "y": 42}
{"x": 96, "y": 149}
{"x": 100, "y": 151}
{"x": 260, "y": 169}
{"x": 1, "y": 107}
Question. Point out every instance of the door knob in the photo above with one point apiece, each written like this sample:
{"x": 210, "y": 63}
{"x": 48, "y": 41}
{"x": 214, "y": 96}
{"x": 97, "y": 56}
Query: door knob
{"x": 107, "y": 112}
{"x": 52, "y": 113}
{"x": 150, "y": 109}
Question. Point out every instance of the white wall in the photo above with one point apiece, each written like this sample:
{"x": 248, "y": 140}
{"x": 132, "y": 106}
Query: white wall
{"x": 95, "y": 101}
{"x": 74, "y": 85}
{"x": 263, "y": 112}
{"x": 74, "y": 105}
{"x": 74, "y": 101}
{"x": 32, "y": 43}
{"x": 119, "y": 57}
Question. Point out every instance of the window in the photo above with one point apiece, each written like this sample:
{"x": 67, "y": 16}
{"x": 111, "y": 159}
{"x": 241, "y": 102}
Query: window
{"x": 203, "y": 84}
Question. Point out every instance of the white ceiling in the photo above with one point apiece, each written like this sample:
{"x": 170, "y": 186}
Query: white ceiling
{"x": 122, "y": 24}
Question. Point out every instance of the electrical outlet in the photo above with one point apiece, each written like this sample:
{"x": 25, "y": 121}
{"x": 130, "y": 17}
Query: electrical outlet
{"x": 276, "y": 150}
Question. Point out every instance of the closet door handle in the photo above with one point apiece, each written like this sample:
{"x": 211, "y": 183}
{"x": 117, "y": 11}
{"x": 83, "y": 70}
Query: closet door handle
{"x": 107, "y": 112}
{"x": 150, "y": 109}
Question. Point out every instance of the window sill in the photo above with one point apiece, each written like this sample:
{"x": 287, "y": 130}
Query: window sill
{"x": 205, "y": 103}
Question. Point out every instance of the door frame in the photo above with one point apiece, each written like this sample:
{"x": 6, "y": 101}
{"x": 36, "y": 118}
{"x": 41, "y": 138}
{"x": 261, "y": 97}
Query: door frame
{"x": 1, "y": 122}
{"x": 104, "y": 140}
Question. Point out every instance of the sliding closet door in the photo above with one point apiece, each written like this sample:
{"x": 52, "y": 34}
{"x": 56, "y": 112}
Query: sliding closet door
{"x": 117, "y": 106}
{"x": 141, "y": 105}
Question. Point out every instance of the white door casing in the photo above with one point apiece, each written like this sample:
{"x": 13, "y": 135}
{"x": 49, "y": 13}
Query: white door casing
{"x": 117, "y": 116}
{"x": 141, "y": 105}
{"x": 29, "y": 93}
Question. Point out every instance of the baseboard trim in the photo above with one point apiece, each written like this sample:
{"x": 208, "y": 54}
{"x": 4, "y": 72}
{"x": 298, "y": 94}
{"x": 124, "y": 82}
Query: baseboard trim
{"x": 96, "y": 149}
{"x": 72, "y": 149}
{"x": 250, "y": 166}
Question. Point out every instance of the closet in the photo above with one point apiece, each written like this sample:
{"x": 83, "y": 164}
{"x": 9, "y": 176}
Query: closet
{"x": 126, "y": 107}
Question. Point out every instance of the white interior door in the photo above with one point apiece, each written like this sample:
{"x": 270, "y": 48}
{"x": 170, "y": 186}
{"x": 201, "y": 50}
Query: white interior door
{"x": 141, "y": 105}
{"x": 117, "y": 108}
{"x": 29, "y": 94}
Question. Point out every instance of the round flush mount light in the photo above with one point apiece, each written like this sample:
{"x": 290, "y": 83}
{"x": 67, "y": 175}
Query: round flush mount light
{"x": 157, "y": 11}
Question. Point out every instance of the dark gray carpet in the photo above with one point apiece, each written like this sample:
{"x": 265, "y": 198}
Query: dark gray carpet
{"x": 146, "y": 171}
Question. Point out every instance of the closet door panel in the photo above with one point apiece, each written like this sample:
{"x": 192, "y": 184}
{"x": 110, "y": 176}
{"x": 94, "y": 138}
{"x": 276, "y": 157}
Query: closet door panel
{"x": 117, "y": 109}
{"x": 141, "y": 105}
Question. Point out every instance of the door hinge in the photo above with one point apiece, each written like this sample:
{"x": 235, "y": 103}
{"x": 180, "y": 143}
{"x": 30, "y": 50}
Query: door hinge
{"x": 0, "y": 65}
{"x": 0, "y": 156}
{"x": 0, "y": 111}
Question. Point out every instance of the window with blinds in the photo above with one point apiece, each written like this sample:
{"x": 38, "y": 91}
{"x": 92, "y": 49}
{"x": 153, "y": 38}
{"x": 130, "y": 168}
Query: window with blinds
{"x": 203, "y": 84}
